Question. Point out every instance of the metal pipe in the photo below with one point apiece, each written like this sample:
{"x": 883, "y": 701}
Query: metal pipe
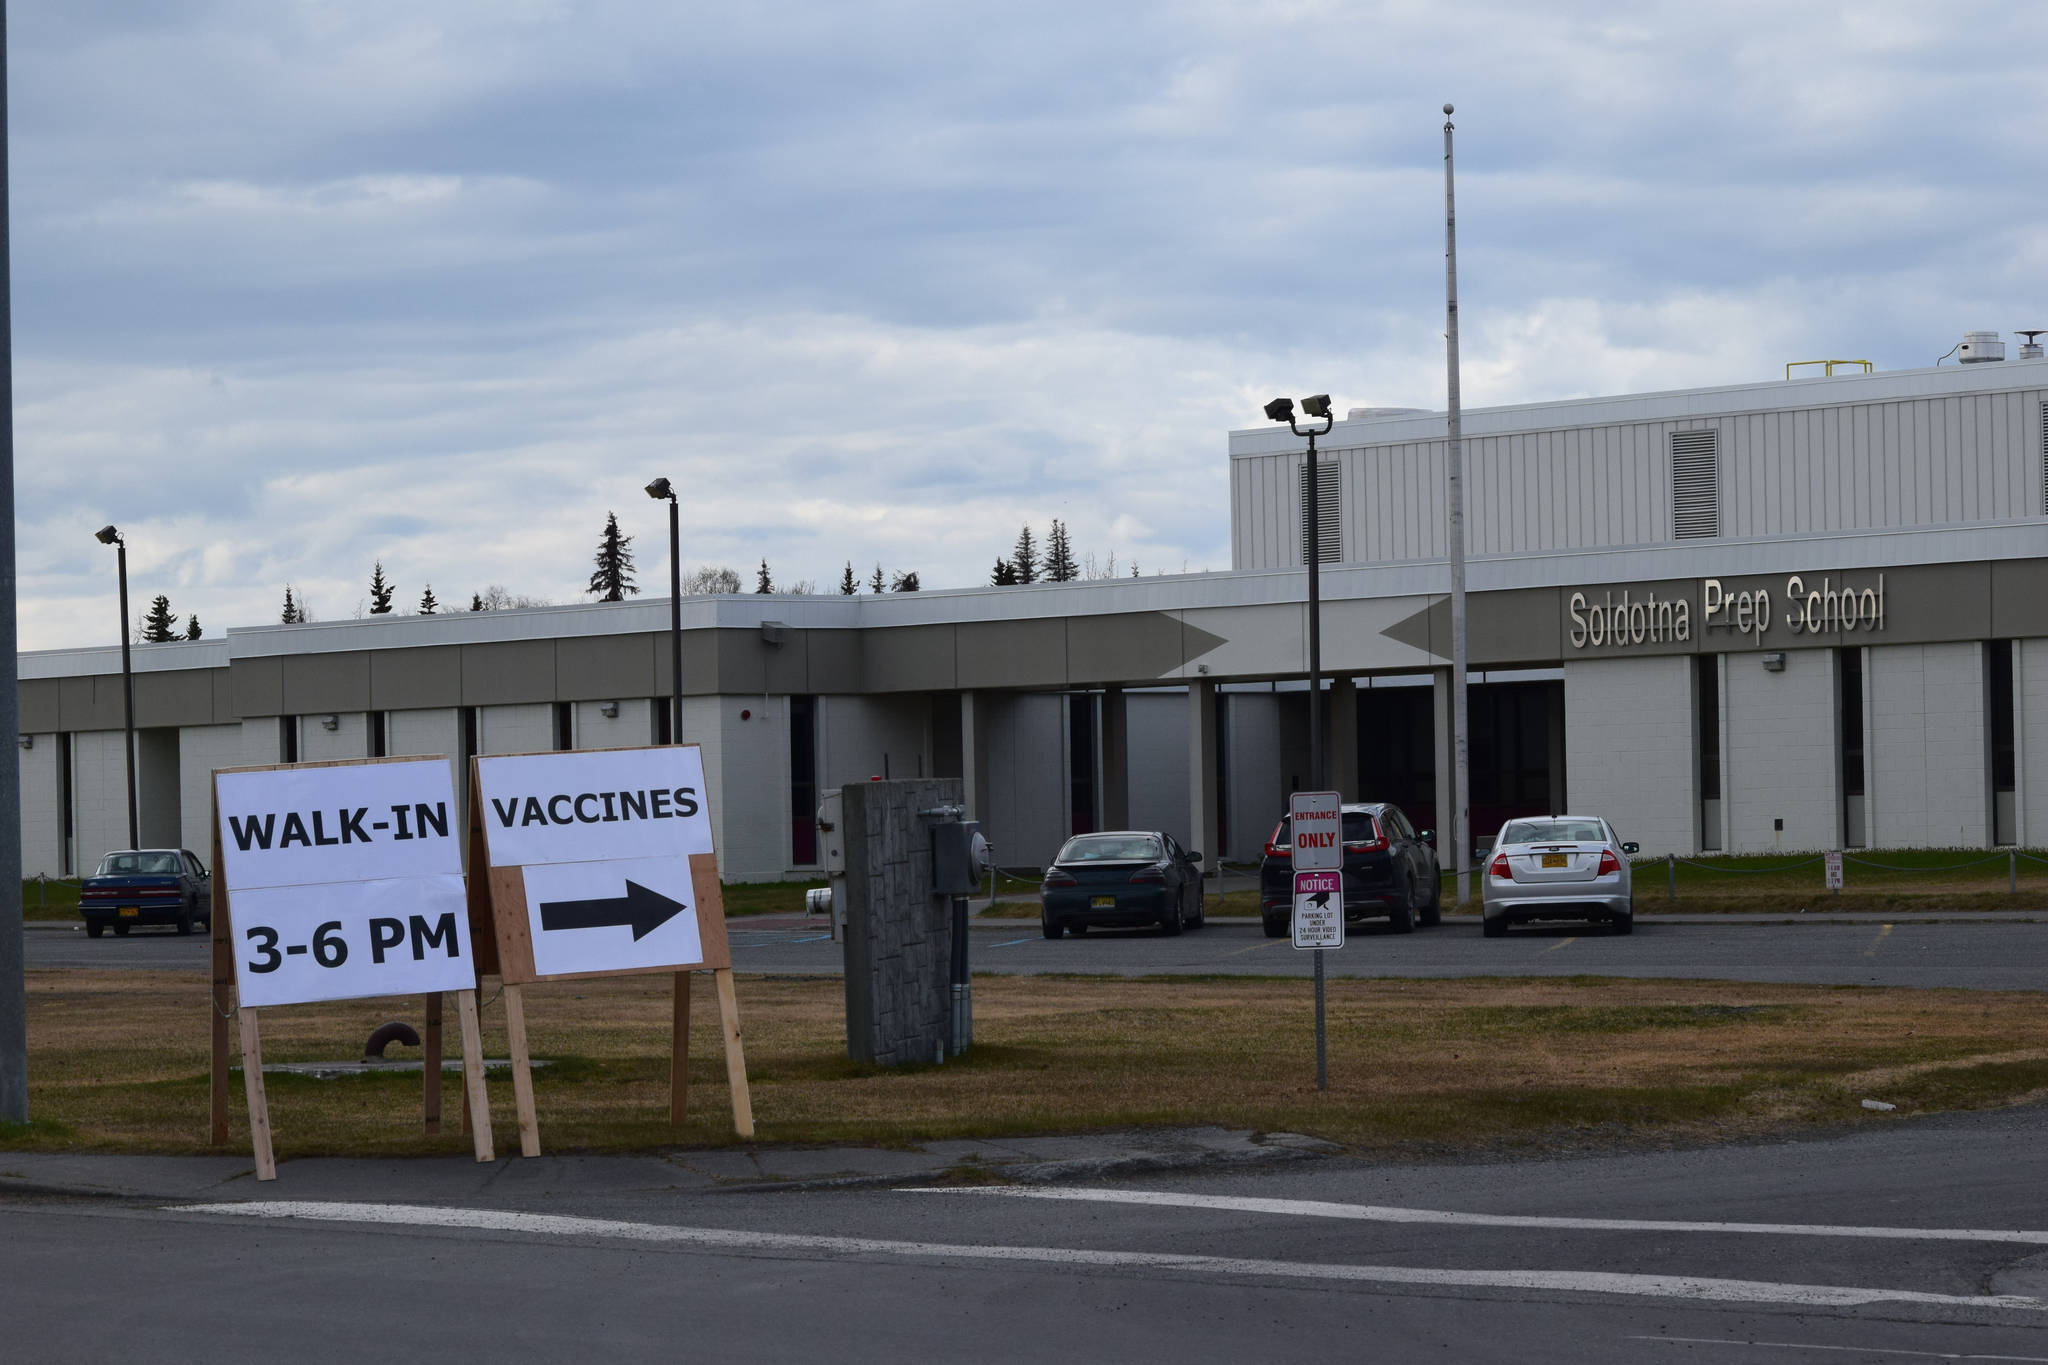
{"x": 13, "y": 987}
{"x": 675, "y": 619}
{"x": 1461, "y": 801}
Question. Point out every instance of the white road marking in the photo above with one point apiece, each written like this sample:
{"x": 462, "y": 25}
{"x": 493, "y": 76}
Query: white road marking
{"x": 1373, "y": 1213}
{"x": 1556, "y": 1281}
{"x": 1859, "y": 1350}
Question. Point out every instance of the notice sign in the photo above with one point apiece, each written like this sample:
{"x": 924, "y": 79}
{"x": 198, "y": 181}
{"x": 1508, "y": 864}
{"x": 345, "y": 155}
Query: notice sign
{"x": 1833, "y": 863}
{"x": 599, "y": 861}
{"x": 1318, "y": 830}
{"x": 1319, "y": 909}
{"x": 343, "y": 881}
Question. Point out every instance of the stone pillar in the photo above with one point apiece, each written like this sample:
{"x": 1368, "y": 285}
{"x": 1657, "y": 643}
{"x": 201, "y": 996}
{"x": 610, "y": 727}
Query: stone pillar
{"x": 899, "y": 936}
{"x": 1116, "y": 760}
{"x": 1343, "y": 733}
{"x": 1202, "y": 771}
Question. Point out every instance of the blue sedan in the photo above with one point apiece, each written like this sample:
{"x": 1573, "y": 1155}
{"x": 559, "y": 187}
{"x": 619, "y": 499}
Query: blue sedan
{"x": 1121, "y": 879}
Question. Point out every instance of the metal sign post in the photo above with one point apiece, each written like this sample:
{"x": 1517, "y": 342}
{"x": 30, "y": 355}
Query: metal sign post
{"x": 1316, "y": 830}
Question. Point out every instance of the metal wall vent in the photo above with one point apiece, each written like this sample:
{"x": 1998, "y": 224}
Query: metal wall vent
{"x": 1695, "y": 484}
{"x": 1329, "y": 535}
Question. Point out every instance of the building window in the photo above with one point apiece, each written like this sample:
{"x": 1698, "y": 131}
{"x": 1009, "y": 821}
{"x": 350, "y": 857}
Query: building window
{"x": 565, "y": 726}
{"x": 380, "y": 745}
{"x": 1329, "y": 525}
{"x": 288, "y": 739}
{"x": 1081, "y": 761}
{"x": 664, "y": 720}
{"x": 803, "y": 781}
{"x": 1695, "y": 484}
{"x": 1707, "y": 691}
{"x": 69, "y": 852}
{"x": 1849, "y": 743}
{"x": 2004, "y": 767}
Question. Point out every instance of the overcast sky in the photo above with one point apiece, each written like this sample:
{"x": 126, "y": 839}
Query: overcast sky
{"x": 300, "y": 285}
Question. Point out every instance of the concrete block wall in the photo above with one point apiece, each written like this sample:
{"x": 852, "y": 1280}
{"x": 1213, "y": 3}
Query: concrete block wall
{"x": 1632, "y": 749}
{"x": 856, "y": 733}
{"x": 523, "y": 729}
{"x": 1158, "y": 733}
{"x": 1929, "y": 780}
{"x": 2030, "y": 736}
{"x": 42, "y": 813}
{"x": 591, "y": 728}
{"x": 201, "y": 749}
{"x": 1779, "y": 737}
{"x": 350, "y": 737}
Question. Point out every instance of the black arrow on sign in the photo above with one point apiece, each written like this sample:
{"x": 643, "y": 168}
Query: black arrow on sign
{"x": 641, "y": 908}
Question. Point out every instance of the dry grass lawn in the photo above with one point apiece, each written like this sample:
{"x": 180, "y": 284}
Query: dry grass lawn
{"x": 119, "y": 1063}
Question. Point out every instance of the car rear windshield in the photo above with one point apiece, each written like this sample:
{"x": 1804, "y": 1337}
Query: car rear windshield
{"x": 1553, "y": 832}
{"x": 129, "y": 864}
{"x": 1110, "y": 848}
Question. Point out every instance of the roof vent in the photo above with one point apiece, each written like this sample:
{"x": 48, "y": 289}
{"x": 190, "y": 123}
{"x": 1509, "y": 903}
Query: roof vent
{"x": 1980, "y": 347}
{"x": 2030, "y": 349}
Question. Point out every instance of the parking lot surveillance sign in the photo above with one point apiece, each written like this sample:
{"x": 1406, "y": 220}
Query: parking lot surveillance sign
{"x": 1319, "y": 909}
{"x": 1317, "y": 827}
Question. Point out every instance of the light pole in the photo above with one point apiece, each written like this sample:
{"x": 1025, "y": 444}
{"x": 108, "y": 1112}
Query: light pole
{"x": 658, "y": 490}
{"x": 1461, "y": 752}
{"x": 1282, "y": 410}
{"x": 108, "y": 535}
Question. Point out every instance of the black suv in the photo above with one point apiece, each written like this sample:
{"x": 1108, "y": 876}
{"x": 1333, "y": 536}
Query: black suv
{"x": 1389, "y": 869}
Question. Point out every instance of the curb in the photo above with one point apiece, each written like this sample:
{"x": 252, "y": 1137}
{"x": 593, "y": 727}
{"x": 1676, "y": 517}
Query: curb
{"x": 1276, "y": 1147}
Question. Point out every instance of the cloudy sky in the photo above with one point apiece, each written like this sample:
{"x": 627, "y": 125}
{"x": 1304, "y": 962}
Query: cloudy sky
{"x": 301, "y": 285}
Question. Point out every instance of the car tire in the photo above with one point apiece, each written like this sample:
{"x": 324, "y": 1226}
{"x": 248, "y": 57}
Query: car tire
{"x": 1172, "y": 923}
{"x": 1050, "y": 925}
{"x": 1274, "y": 926}
{"x": 1402, "y": 920}
{"x": 120, "y": 931}
{"x": 1433, "y": 913}
{"x": 1495, "y": 927}
{"x": 95, "y": 930}
{"x": 185, "y": 923}
{"x": 1201, "y": 909}
{"x": 1625, "y": 924}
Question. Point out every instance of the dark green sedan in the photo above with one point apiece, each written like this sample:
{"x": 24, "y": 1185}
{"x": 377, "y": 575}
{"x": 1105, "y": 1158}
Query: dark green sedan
{"x": 1121, "y": 880}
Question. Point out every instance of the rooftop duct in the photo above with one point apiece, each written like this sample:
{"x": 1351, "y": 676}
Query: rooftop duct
{"x": 1978, "y": 348}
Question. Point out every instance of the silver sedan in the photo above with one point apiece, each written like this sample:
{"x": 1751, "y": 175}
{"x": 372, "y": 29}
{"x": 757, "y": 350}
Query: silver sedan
{"x": 1557, "y": 867}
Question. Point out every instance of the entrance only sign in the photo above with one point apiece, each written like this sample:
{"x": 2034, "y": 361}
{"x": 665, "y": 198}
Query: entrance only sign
{"x": 1317, "y": 830}
{"x": 344, "y": 881}
{"x": 1319, "y": 909}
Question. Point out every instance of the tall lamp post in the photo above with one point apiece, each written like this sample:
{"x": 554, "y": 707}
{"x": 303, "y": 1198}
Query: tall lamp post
{"x": 658, "y": 490}
{"x": 108, "y": 535}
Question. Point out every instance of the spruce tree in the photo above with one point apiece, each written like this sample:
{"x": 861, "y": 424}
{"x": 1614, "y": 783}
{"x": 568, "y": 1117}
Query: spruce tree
{"x": 291, "y": 608}
{"x": 613, "y": 578}
{"x": 1059, "y": 555}
{"x": 848, "y": 584}
{"x": 192, "y": 630}
{"x": 476, "y": 601}
{"x": 1005, "y": 575}
{"x": 429, "y": 604}
{"x": 875, "y": 583}
{"x": 905, "y": 582}
{"x": 159, "y": 626}
{"x": 380, "y": 591}
{"x": 762, "y": 582}
{"x": 1024, "y": 559}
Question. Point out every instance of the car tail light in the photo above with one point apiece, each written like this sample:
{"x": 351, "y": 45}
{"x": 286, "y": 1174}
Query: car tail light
{"x": 1608, "y": 862}
{"x": 1500, "y": 866}
{"x": 1276, "y": 849}
{"x": 1149, "y": 874}
{"x": 1055, "y": 877}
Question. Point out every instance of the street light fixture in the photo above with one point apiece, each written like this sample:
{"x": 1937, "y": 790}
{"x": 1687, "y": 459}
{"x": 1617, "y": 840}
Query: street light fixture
{"x": 659, "y": 490}
{"x": 109, "y": 535}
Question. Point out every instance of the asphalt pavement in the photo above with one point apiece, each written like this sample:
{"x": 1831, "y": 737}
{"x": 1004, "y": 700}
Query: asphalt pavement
{"x": 1898, "y": 1240}
{"x": 1972, "y": 950}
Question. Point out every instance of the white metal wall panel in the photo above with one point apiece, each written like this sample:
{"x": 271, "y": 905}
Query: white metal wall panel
{"x": 99, "y": 777}
{"x": 749, "y": 784}
{"x": 1928, "y": 784}
{"x": 1028, "y": 815}
{"x": 1630, "y": 749}
{"x": 1780, "y": 761}
{"x": 2030, "y": 736}
{"x": 1258, "y": 794}
{"x": 42, "y": 817}
{"x": 1156, "y": 725}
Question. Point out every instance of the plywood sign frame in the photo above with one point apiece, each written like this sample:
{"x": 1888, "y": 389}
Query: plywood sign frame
{"x": 572, "y": 850}
{"x": 314, "y": 843}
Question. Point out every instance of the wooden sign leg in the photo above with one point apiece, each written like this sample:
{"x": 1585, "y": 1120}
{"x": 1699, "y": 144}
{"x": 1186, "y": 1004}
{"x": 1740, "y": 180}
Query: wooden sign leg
{"x": 476, "y": 1103}
{"x": 223, "y": 986}
{"x": 259, "y": 1106}
{"x": 679, "y": 1054}
{"x": 430, "y": 1065}
{"x": 522, "y": 1071}
{"x": 735, "y": 1056}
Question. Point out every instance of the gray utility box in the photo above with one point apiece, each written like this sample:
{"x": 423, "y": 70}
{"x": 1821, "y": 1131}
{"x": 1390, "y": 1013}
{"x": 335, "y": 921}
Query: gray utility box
{"x": 959, "y": 858}
{"x": 899, "y": 930}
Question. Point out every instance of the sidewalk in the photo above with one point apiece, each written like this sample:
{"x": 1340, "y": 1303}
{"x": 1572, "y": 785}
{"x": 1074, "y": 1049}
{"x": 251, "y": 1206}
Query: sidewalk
{"x": 514, "y": 1179}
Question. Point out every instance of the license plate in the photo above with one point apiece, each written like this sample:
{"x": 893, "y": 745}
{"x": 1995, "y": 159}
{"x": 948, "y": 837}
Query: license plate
{"x": 130, "y": 911}
{"x": 1556, "y": 860}
{"x": 1102, "y": 903}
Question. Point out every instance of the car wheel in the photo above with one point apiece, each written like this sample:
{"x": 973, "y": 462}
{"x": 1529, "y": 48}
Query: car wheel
{"x": 95, "y": 930}
{"x": 1172, "y": 923}
{"x": 1625, "y": 924}
{"x": 1201, "y": 910}
{"x": 1402, "y": 920}
{"x": 120, "y": 931}
{"x": 1274, "y": 926}
{"x": 185, "y": 923}
{"x": 1495, "y": 927}
{"x": 1433, "y": 912}
{"x": 1050, "y": 925}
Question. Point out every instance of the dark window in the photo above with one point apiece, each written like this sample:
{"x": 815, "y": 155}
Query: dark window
{"x": 1849, "y": 671}
{"x": 469, "y": 736}
{"x": 664, "y": 720}
{"x": 1510, "y": 751}
{"x": 1707, "y": 672}
{"x": 1081, "y": 759}
{"x": 1397, "y": 748}
{"x": 64, "y": 798}
{"x": 288, "y": 738}
{"x": 2004, "y": 769}
{"x": 379, "y": 746}
{"x": 565, "y": 726}
{"x": 803, "y": 781}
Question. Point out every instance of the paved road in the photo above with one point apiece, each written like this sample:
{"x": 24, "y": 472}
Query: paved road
{"x": 1917, "y": 1240}
{"x": 1966, "y": 952}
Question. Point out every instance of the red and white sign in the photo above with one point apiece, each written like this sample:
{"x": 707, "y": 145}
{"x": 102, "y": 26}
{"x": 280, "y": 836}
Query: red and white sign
{"x": 1319, "y": 909}
{"x": 1317, "y": 830}
{"x": 1833, "y": 867}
